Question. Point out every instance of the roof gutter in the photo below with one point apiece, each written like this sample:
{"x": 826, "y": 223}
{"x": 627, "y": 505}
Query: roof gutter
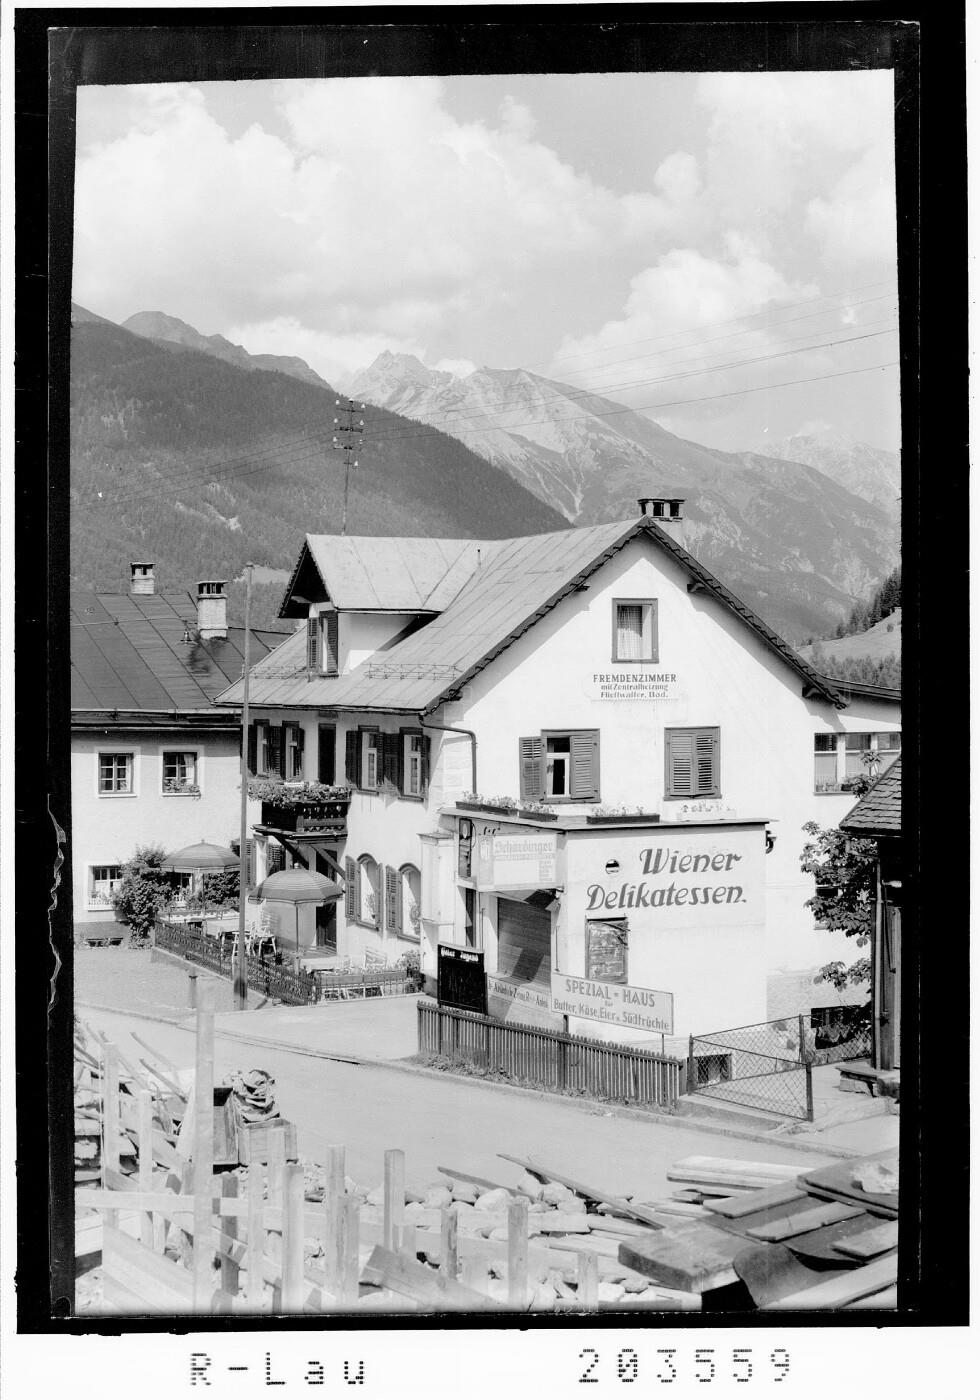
{"x": 455, "y": 729}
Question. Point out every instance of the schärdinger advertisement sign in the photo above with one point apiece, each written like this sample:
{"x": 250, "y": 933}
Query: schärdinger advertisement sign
{"x": 614, "y": 1003}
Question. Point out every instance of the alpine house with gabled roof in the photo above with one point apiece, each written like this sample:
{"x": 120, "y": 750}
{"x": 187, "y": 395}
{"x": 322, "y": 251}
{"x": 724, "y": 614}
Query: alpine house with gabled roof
{"x": 655, "y": 725}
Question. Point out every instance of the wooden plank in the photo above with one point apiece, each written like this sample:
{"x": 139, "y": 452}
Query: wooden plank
{"x": 590, "y": 1193}
{"x": 333, "y": 1191}
{"x": 887, "y": 1298}
{"x": 161, "y": 1285}
{"x": 292, "y": 1240}
{"x": 732, "y": 1207}
{"x": 394, "y": 1195}
{"x": 870, "y": 1243}
{"x": 203, "y": 1151}
{"x": 848, "y": 1288}
{"x": 422, "y": 1284}
{"x": 473, "y": 1180}
{"x": 229, "y": 1269}
{"x": 692, "y": 1257}
{"x": 803, "y": 1221}
{"x": 730, "y": 1173}
{"x": 145, "y": 1152}
{"x": 347, "y": 1291}
{"x": 517, "y": 1296}
{"x": 449, "y": 1243}
{"x": 157, "y": 1055}
{"x": 588, "y": 1281}
{"x": 255, "y": 1247}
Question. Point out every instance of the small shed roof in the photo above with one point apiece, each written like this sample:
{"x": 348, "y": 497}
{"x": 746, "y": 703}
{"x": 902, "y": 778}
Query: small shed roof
{"x": 128, "y": 653}
{"x": 879, "y": 812}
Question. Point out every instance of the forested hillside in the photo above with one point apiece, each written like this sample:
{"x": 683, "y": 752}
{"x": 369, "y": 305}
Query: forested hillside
{"x": 199, "y": 466}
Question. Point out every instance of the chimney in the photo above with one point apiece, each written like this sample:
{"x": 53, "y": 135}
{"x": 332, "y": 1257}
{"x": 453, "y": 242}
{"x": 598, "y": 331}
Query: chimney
{"x": 141, "y": 581}
{"x": 212, "y": 609}
{"x": 666, "y": 511}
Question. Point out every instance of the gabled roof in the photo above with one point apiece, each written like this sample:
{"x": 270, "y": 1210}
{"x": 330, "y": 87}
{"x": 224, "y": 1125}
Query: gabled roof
{"x": 128, "y": 654}
{"x": 879, "y": 813}
{"x": 514, "y": 583}
{"x": 378, "y": 574}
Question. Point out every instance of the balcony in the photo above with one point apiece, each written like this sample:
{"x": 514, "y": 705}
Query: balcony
{"x": 329, "y": 818}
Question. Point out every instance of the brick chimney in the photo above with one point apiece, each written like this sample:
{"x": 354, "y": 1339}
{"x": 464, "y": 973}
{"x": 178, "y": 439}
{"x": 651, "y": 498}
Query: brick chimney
{"x": 212, "y": 609}
{"x": 666, "y": 511}
{"x": 141, "y": 580}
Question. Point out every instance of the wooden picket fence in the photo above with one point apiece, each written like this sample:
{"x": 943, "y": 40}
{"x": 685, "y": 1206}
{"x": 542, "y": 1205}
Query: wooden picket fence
{"x": 248, "y": 1251}
{"x": 550, "y": 1059}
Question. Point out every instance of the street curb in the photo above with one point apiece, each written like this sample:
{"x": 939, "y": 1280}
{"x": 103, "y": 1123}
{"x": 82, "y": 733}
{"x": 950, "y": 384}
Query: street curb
{"x": 593, "y": 1107}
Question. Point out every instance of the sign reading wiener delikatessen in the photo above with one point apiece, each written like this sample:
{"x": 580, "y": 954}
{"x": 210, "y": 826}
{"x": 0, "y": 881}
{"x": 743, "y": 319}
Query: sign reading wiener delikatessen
{"x": 693, "y": 880}
{"x": 615, "y": 1003}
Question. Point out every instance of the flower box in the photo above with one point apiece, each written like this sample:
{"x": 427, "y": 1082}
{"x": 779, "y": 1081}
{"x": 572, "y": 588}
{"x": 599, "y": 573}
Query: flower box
{"x": 537, "y": 816}
{"x": 622, "y": 818}
{"x": 486, "y": 807}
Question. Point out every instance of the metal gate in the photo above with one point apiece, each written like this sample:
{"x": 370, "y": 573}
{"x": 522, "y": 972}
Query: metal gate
{"x": 766, "y": 1066}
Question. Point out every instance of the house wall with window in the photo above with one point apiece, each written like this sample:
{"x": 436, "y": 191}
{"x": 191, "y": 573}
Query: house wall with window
{"x": 715, "y": 726}
{"x": 145, "y": 788}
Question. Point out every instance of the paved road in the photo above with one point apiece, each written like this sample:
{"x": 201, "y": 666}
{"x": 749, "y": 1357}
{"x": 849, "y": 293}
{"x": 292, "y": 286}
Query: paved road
{"x": 453, "y": 1123}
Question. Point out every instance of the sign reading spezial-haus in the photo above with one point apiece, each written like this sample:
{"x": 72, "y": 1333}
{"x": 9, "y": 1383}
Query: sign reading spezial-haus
{"x": 615, "y": 1003}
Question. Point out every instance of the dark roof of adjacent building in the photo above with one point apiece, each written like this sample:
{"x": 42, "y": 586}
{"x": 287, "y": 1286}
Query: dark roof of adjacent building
{"x": 128, "y": 654}
{"x": 879, "y": 813}
{"x": 508, "y": 587}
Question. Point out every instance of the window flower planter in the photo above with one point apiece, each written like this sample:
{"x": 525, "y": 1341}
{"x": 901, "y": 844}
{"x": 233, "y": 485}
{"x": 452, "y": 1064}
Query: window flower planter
{"x": 490, "y": 807}
{"x": 621, "y": 818}
{"x": 529, "y": 814}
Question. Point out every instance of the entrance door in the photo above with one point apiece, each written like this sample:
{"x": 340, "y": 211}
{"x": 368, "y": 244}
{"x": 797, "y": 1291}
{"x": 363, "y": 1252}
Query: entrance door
{"x": 524, "y": 943}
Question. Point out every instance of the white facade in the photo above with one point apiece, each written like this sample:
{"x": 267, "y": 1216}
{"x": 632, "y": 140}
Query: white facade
{"x": 136, "y": 788}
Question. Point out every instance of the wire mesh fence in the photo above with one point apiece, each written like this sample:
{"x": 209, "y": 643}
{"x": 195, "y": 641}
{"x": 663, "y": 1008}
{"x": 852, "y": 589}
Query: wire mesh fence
{"x": 765, "y": 1066}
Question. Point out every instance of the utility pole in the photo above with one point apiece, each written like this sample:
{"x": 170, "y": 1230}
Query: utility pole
{"x": 344, "y": 440}
{"x": 240, "y": 961}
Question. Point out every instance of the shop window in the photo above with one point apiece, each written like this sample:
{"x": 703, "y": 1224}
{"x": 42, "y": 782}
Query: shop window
{"x": 103, "y": 879}
{"x": 634, "y": 629}
{"x": 180, "y": 771}
{"x": 115, "y": 774}
{"x": 606, "y": 950}
{"x": 838, "y": 759}
{"x": 693, "y": 765}
{"x": 560, "y": 766}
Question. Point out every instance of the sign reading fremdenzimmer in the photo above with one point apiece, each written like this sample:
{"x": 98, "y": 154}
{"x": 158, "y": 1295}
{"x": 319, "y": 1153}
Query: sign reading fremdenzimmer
{"x": 615, "y": 1003}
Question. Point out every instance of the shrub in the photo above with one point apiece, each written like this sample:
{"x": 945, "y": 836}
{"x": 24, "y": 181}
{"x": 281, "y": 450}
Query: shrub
{"x": 144, "y": 890}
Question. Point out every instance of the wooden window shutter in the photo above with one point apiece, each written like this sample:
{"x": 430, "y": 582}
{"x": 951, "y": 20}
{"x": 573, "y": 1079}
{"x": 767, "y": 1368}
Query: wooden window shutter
{"x": 584, "y": 785}
{"x": 532, "y": 768}
{"x": 276, "y": 858}
{"x": 706, "y": 762}
{"x": 253, "y": 750}
{"x": 299, "y": 739}
{"x": 312, "y": 643}
{"x": 426, "y": 761}
{"x": 353, "y": 757}
{"x": 250, "y": 865}
{"x": 392, "y": 889}
{"x": 332, "y": 643}
{"x": 274, "y": 748}
{"x": 679, "y": 748}
{"x": 390, "y": 744}
{"x": 350, "y": 889}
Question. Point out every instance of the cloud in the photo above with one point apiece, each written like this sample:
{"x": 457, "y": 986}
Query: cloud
{"x": 371, "y": 211}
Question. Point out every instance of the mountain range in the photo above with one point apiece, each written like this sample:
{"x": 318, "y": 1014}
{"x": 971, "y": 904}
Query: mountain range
{"x": 798, "y": 544}
{"x": 168, "y": 330}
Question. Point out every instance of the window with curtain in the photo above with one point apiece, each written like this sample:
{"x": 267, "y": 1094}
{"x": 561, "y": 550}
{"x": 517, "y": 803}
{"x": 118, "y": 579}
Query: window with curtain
{"x": 634, "y": 629}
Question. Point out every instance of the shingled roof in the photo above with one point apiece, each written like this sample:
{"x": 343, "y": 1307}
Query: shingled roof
{"x": 879, "y": 813}
{"x": 128, "y": 654}
{"x": 510, "y": 586}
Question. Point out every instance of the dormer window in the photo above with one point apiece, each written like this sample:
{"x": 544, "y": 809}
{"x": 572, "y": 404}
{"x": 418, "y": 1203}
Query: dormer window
{"x": 322, "y": 650}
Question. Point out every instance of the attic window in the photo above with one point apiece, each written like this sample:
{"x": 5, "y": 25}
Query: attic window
{"x": 322, "y": 648}
{"x": 634, "y": 635}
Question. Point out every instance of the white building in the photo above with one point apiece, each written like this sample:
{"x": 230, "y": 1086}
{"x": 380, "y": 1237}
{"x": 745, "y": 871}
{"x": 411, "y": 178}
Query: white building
{"x": 153, "y": 763}
{"x": 588, "y": 670}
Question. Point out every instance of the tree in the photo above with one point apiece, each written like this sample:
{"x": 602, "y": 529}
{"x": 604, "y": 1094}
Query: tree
{"x": 844, "y": 868}
{"x": 144, "y": 890}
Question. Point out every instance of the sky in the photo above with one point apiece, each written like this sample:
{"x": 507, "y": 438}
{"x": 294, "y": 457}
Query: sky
{"x": 716, "y": 250}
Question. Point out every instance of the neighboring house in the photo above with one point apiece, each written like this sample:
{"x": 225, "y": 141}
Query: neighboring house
{"x": 878, "y": 816}
{"x": 585, "y": 670}
{"x": 152, "y": 761}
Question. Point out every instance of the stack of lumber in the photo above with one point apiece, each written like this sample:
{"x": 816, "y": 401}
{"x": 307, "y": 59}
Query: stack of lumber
{"x": 777, "y": 1238}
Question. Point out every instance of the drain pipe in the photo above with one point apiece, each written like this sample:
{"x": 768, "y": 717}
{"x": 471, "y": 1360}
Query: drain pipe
{"x": 454, "y": 729}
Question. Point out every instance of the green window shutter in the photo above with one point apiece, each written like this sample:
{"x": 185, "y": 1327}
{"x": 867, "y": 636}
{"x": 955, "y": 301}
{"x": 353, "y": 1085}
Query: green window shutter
{"x": 253, "y": 749}
{"x": 584, "y": 785}
{"x": 353, "y": 757}
{"x": 392, "y": 884}
{"x": 680, "y": 763}
{"x": 332, "y": 643}
{"x": 532, "y": 768}
{"x": 706, "y": 763}
{"x": 312, "y": 643}
{"x": 350, "y": 889}
{"x": 274, "y": 747}
{"x": 389, "y": 758}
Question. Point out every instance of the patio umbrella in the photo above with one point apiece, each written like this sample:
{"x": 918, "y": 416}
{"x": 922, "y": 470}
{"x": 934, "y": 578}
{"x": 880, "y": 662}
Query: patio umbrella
{"x": 296, "y": 887}
{"x": 201, "y": 859}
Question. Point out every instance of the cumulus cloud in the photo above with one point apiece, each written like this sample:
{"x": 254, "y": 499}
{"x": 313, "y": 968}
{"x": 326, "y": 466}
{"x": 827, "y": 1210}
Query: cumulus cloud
{"x": 373, "y": 211}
